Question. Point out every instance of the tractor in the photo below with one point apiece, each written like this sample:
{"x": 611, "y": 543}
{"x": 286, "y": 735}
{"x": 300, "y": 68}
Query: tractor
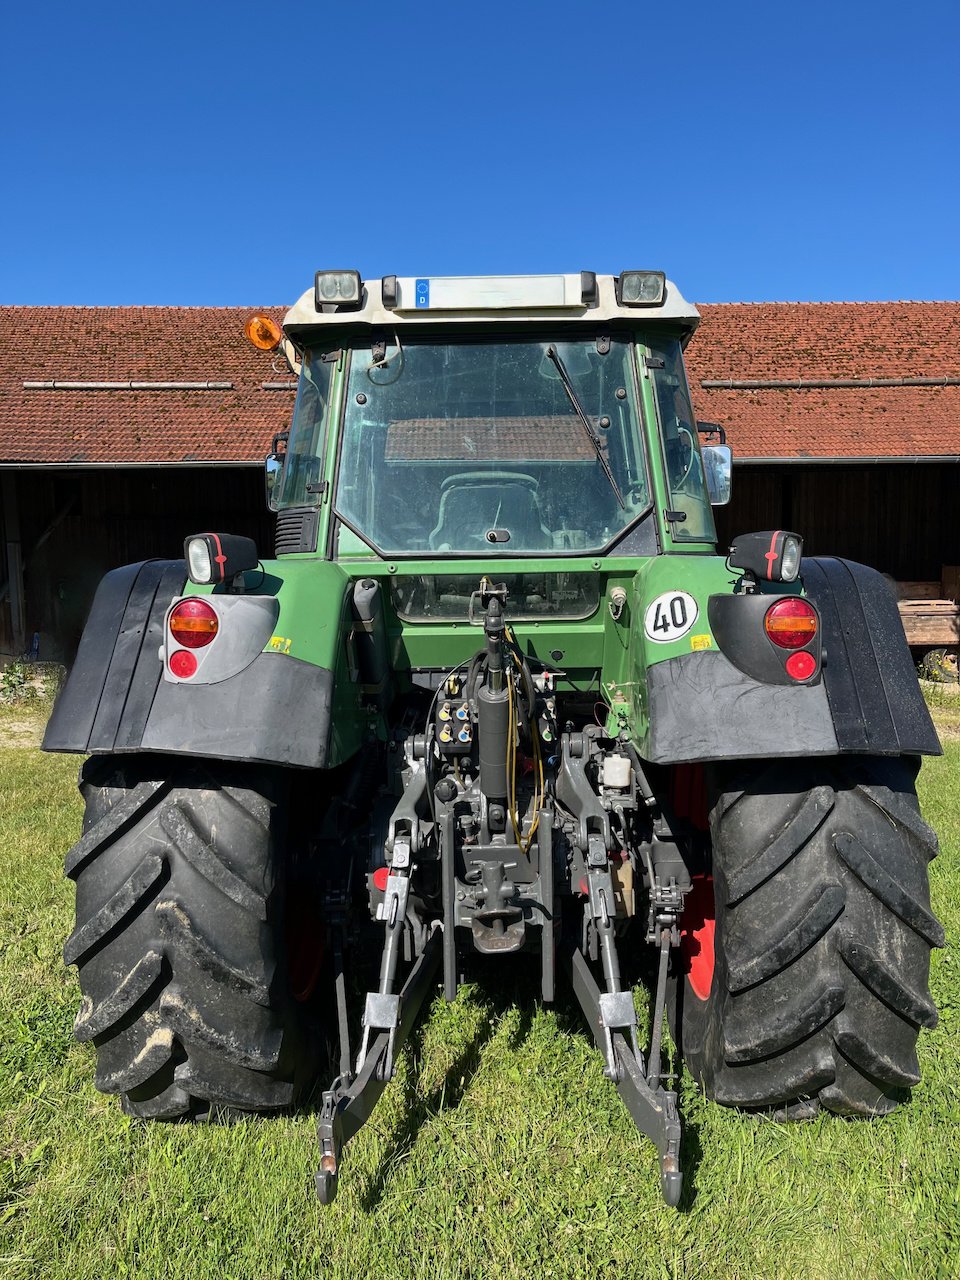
{"x": 497, "y": 693}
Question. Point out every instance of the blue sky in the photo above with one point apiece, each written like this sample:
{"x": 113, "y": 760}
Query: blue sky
{"x": 215, "y": 153}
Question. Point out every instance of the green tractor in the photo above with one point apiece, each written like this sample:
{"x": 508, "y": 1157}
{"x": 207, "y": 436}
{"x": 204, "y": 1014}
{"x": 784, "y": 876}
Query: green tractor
{"x": 497, "y": 693}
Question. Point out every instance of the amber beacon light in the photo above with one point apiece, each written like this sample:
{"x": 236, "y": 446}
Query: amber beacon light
{"x": 263, "y": 332}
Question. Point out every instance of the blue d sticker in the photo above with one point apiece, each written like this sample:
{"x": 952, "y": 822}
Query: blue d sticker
{"x": 423, "y": 293}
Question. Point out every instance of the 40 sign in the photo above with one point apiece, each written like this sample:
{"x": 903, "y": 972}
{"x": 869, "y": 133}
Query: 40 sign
{"x": 670, "y": 616}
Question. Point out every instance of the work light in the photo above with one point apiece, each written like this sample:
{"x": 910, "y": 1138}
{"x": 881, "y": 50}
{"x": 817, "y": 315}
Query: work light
{"x": 773, "y": 555}
{"x": 641, "y": 288}
{"x": 218, "y": 557}
{"x": 337, "y": 288}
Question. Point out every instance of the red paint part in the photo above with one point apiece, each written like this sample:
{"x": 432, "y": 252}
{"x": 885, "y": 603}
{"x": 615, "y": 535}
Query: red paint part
{"x": 183, "y": 664}
{"x": 771, "y": 555}
{"x": 380, "y": 877}
{"x": 697, "y": 929}
{"x": 219, "y": 558}
{"x": 801, "y": 666}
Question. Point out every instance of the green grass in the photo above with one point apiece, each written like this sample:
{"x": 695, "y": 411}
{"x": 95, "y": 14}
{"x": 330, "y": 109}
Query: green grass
{"x": 499, "y": 1151}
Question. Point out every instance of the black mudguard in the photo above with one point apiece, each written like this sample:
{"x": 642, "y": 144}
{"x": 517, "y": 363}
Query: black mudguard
{"x": 701, "y": 707}
{"x": 871, "y": 681}
{"x": 276, "y": 711}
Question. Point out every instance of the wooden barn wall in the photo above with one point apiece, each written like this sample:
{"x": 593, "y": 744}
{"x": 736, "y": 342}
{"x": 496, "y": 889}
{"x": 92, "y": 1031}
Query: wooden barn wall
{"x": 77, "y": 525}
{"x": 899, "y": 518}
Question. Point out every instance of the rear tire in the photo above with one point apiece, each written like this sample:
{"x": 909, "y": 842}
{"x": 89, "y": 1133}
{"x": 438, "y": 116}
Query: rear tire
{"x": 823, "y": 938}
{"x": 178, "y": 940}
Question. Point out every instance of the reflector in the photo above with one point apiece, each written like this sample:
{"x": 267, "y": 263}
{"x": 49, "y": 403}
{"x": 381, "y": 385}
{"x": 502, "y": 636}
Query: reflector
{"x": 801, "y": 666}
{"x": 183, "y": 664}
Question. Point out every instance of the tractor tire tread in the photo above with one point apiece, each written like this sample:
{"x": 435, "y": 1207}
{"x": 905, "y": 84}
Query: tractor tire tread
{"x": 806, "y": 924}
{"x": 773, "y": 856}
{"x": 94, "y": 1019}
{"x": 887, "y": 888}
{"x": 820, "y": 978}
{"x": 187, "y": 1008}
{"x": 887, "y": 985}
{"x": 785, "y": 1026}
{"x": 97, "y": 928}
{"x": 188, "y": 841}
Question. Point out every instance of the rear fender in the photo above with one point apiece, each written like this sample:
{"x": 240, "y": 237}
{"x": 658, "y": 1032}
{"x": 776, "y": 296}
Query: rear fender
{"x": 701, "y": 706}
{"x": 276, "y": 709}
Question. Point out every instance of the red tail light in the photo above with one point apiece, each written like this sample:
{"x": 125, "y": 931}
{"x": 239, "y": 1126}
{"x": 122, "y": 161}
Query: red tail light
{"x": 791, "y": 623}
{"x": 193, "y": 623}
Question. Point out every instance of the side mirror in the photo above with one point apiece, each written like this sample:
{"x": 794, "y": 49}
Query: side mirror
{"x": 273, "y": 466}
{"x": 718, "y": 472}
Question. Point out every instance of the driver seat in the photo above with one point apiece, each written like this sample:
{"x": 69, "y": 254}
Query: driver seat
{"x": 473, "y": 502}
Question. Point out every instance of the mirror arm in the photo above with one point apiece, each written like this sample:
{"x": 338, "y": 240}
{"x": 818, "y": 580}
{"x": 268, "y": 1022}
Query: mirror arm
{"x": 712, "y": 429}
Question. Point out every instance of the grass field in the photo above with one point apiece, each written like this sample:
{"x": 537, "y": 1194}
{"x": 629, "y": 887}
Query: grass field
{"x": 499, "y": 1151}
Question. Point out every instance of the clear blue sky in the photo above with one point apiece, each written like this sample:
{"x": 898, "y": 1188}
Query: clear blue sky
{"x": 218, "y": 153}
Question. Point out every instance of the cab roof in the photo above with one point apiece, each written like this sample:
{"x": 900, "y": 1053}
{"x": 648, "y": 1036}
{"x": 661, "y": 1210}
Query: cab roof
{"x": 452, "y": 302}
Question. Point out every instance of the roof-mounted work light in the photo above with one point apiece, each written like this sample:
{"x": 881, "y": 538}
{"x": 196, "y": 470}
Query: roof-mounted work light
{"x": 337, "y": 289}
{"x": 641, "y": 288}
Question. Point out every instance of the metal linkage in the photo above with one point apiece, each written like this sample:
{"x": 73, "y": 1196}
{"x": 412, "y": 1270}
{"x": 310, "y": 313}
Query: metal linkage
{"x": 613, "y": 1020}
{"x": 382, "y": 1009}
{"x": 617, "y": 1012}
{"x": 653, "y": 1108}
{"x": 348, "y": 1103}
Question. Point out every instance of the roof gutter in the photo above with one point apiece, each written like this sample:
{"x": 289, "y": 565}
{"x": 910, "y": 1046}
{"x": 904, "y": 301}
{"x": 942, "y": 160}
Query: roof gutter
{"x": 772, "y": 460}
{"x": 858, "y": 460}
{"x": 128, "y": 466}
{"x": 804, "y": 384}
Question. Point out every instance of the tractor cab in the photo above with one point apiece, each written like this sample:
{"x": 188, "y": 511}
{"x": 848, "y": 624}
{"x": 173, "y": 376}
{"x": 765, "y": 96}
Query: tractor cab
{"x": 512, "y": 417}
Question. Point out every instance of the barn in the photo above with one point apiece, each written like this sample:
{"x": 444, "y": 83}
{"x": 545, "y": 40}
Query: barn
{"x": 124, "y": 428}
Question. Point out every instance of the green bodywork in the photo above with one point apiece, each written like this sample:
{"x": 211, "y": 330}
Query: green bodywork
{"x": 599, "y": 653}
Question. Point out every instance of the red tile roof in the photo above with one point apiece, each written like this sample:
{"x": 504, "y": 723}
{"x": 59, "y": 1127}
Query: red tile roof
{"x": 755, "y": 342}
{"x": 830, "y": 340}
{"x": 149, "y": 344}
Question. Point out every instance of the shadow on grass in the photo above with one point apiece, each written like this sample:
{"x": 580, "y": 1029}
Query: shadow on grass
{"x": 418, "y": 1108}
{"x": 495, "y": 995}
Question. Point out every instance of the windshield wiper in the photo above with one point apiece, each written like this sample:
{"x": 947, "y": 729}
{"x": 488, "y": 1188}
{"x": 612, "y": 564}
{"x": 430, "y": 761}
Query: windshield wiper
{"x": 554, "y": 355}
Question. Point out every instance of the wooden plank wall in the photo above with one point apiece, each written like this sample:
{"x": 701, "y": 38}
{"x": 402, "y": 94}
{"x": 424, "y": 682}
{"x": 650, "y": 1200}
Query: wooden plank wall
{"x": 77, "y": 525}
{"x": 903, "y": 519}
